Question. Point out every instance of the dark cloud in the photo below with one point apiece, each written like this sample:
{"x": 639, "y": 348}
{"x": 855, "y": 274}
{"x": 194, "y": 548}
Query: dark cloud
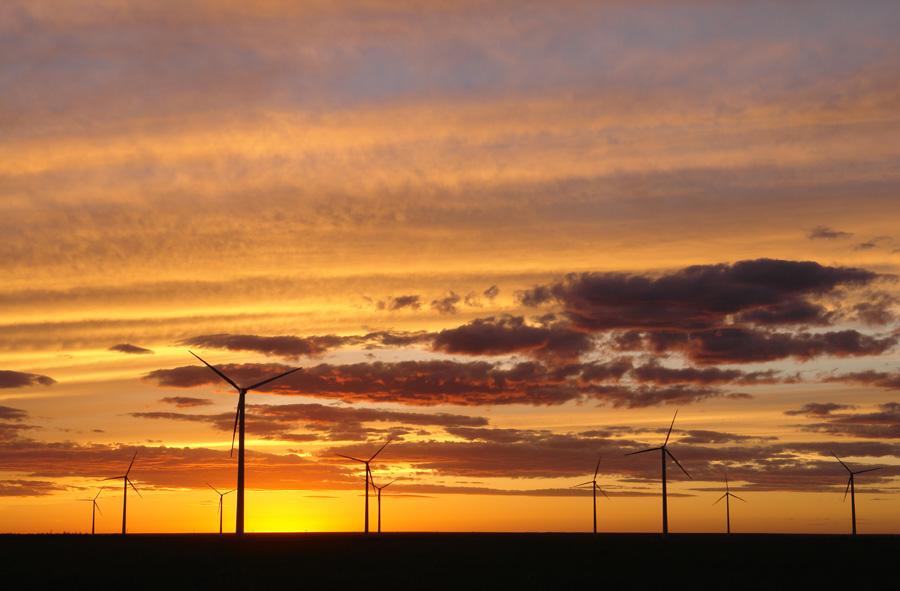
{"x": 428, "y": 383}
{"x": 320, "y": 413}
{"x": 883, "y": 424}
{"x": 412, "y": 302}
{"x": 704, "y": 437}
{"x": 29, "y": 488}
{"x": 820, "y": 232}
{"x": 186, "y": 402}
{"x": 876, "y": 309}
{"x": 130, "y": 349}
{"x": 18, "y": 379}
{"x": 491, "y": 292}
{"x": 510, "y": 334}
{"x": 878, "y": 379}
{"x": 8, "y": 413}
{"x": 819, "y": 409}
{"x": 293, "y": 347}
{"x": 657, "y": 374}
{"x": 447, "y": 304}
{"x": 697, "y": 297}
{"x": 743, "y": 345}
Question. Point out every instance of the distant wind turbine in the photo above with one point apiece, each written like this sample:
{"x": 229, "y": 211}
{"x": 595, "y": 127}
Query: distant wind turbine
{"x": 663, "y": 452}
{"x": 850, "y": 488}
{"x": 379, "y": 489}
{"x": 95, "y": 508}
{"x": 239, "y": 428}
{"x": 221, "y": 496}
{"x": 728, "y": 494}
{"x": 126, "y": 482}
{"x": 368, "y": 477}
{"x": 594, "y": 487}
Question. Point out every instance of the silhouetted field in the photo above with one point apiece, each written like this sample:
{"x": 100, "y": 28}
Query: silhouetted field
{"x": 446, "y": 561}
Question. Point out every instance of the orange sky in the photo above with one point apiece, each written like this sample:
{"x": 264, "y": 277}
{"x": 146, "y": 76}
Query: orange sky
{"x": 513, "y": 238}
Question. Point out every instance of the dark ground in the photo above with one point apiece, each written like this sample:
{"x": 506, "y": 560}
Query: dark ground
{"x": 447, "y": 561}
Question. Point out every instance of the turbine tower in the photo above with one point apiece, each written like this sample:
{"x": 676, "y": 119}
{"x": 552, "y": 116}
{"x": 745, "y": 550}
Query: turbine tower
{"x": 728, "y": 494}
{"x": 850, "y": 488}
{"x": 368, "y": 478}
{"x": 239, "y": 428}
{"x": 95, "y": 508}
{"x": 595, "y": 487}
{"x": 663, "y": 452}
{"x": 126, "y": 482}
{"x": 221, "y": 496}
{"x": 379, "y": 489}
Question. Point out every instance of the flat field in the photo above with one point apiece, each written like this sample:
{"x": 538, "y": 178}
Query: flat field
{"x": 447, "y": 561}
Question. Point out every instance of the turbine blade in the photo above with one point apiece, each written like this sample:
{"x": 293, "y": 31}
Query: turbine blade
{"x": 598, "y": 467}
{"x": 212, "y": 487}
{"x": 231, "y": 491}
{"x": 98, "y": 508}
{"x": 643, "y": 451}
{"x": 601, "y": 490}
{"x": 842, "y": 463}
{"x": 351, "y": 458}
{"x": 670, "y": 429}
{"x": 381, "y": 448}
{"x": 738, "y": 498}
{"x": 584, "y": 484}
{"x": 98, "y": 493}
{"x": 720, "y": 498}
{"x": 676, "y": 463}
{"x": 112, "y": 478}
{"x": 389, "y": 483}
{"x": 237, "y": 414}
{"x": 132, "y": 463}
{"x": 255, "y": 386}
{"x": 128, "y": 480}
{"x": 869, "y": 470}
{"x": 849, "y": 482}
{"x": 223, "y": 376}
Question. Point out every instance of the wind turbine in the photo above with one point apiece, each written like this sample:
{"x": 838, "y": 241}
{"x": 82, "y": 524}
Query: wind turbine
{"x": 728, "y": 494}
{"x": 95, "y": 509}
{"x": 663, "y": 452}
{"x": 126, "y": 482}
{"x": 221, "y": 496}
{"x": 379, "y": 489}
{"x": 595, "y": 487}
{"x": 850, "y": 488}
{"x": 239, "y": 427}
{"x": 368, "y": 477}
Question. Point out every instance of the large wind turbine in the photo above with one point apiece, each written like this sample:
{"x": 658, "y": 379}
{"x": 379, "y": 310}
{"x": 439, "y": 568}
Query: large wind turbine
{"x": 595, "y": 487}
{"x": 94, "y": 509}
{"x": 663, "y": 452}
{"x": 728, "y": 494}
{"x": 239, "y": 427}
{"x": 379, "y": 489}
{"x": 368, "y": 477}
{"x": 850, "y": 488}
{"x": 126, "y": 482}
{"x": 221, "y": 496}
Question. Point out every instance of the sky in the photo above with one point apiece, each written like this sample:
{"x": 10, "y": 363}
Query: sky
{"x": 513, "y": 238}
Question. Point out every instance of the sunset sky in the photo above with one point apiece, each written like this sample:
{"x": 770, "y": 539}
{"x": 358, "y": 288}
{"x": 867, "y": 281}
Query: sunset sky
{"x": 514, "y": 236}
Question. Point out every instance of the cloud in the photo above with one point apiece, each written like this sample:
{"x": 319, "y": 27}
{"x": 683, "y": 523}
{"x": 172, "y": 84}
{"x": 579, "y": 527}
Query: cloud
{"x": 820, "y": 232}
{"x": 12, "y": 414}
{"x": 819, "y": 409}
{"x": 698, "y": 297}
{"x": 130, "y": 349}
{"x": 29, "y": 488}
{"x": 878, "y": 379}
{"x": 510, "y": 334}
{"x": 18, "y": 379}
{"x": 447, "y": 304}
{"x": 293, "y": 347}
{"x": 883, "y": 424}
{"x": 186, "y": 402}
{"x": 657, "y": 374}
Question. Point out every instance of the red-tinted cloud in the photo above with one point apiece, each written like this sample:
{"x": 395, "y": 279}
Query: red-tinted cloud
{"x": 18, "y": 379}
{"x": 510, "y": 334}
{"x": 186, "y": 402}
{"x": 130, "y": 349}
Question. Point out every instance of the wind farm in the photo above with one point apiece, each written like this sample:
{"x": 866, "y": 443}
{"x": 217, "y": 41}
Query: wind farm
{"x": 126, "y": 482}
{"x": 594, "y": 488}
{"x": 368, "y": 481}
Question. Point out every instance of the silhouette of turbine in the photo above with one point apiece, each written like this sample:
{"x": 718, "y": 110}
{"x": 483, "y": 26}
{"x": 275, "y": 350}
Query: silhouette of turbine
{"x": 221, "y": 496}
{"x": 368, "y": 477}
{"x": 379, "y": 489}
{"x": 95, "y": 508}
{"x": 663, "y": 452}
{"x": 126, "y": 482}
{"x": 594, "y": 487}
{"x": 728, "y": 494}
{"x": 239, "y": 428}
{"x": 850, "y": 488}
